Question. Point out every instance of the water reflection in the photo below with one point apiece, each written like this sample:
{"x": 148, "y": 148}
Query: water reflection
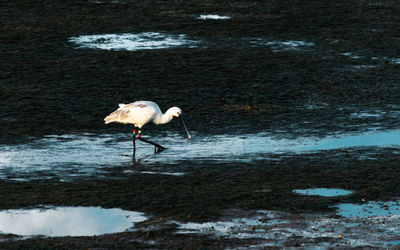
{"x": 68, "y": 221}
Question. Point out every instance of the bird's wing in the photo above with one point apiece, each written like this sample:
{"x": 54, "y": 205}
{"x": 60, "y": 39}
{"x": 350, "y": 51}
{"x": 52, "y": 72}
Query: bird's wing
{"x": 120, "y": 115}
{"x": 123, "y": 114}
{"x": 139, "y": 104}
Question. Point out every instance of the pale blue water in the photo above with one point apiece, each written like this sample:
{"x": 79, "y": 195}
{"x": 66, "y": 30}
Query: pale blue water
{"x": 68, "y": 221}
{"x": 370, "y": 209}
{"x": 325, "y": 192}
{"x": 89, "y": 154}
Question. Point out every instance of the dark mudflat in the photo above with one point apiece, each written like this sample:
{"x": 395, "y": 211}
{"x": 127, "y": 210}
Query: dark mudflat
{"x": 225, "y": 85}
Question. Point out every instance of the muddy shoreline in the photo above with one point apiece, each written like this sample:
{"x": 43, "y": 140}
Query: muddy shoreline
{"x": 236, "y": 80}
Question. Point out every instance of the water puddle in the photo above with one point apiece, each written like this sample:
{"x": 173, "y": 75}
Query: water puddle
{"x": 79, "y": 155}
{"x": 369, "y": 139}
{"x": 370, "y": 209}
{"x": 212, "y": 17}
{"x": 68, "y": 221}
{"x": 325, "y": 192}
{"x": 133, "y": 42}
{"x": 240, "y": 227}
{"x": 394, "y": 243}
{"x": 279, "y": 229}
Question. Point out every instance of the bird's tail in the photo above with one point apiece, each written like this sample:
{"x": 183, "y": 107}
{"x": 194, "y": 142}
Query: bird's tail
{"x": 113, "y": 117}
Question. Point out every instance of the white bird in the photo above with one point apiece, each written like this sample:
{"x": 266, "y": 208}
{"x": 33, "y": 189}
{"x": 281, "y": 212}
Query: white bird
{"x": 141, "y": 112}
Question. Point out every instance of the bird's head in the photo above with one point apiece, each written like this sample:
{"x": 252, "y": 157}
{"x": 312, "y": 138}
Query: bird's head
{"x": 175, "y": 111}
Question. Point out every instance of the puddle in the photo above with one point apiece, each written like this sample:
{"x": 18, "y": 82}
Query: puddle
{"x": 279, "y": 229}
{"x": 79, "y": 155}
{"x": 325, "y": 192}
{"x": 133, "y": 42}
{"x": 213, "y": 17}
{"x": 240, "y": 227}
{"x": 370, "y": 209}
{"x": 394, "y": 242}
{"x": 369, "y": 139}
{"x": 278, "y": 46}
{"x": 68, "y": 221}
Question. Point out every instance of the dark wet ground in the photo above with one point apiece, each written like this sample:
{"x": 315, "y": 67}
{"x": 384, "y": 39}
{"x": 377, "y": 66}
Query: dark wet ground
{"x": 225, "y": 85}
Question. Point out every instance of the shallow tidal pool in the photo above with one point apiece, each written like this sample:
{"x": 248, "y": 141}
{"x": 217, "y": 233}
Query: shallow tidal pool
{"x": 68, "y": 221}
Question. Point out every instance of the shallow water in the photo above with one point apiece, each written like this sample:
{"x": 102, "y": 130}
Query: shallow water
{"x": 89, "y": 154}
{"x": 370, "y": 209}
{"x": 132, "y": 41}
{"x": 275, "y": 229}
{"x": 68, "y": 221}
{"x": 325, "y": 192}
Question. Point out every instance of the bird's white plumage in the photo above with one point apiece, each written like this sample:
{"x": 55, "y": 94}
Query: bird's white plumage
{"x": 141, "y": 112}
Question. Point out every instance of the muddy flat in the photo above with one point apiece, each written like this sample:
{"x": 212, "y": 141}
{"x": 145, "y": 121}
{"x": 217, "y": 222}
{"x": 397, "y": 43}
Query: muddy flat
{"x": 293, "y": 107}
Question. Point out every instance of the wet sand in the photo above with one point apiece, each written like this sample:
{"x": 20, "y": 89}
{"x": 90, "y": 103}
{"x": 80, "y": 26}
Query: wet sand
{"x": 289, "y": 69}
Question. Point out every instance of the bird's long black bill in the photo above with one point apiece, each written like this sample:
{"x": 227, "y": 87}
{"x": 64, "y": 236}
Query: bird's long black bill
{"x": 184, "y": 126}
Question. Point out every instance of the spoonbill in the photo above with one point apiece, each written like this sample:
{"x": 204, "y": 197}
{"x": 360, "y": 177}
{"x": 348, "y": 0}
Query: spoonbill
{"x": 141, "y": 112}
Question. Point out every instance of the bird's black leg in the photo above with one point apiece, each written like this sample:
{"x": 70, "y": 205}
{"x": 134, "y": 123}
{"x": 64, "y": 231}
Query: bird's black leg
{"x": 157, "y": 148}
{"x": 134, "y": 142}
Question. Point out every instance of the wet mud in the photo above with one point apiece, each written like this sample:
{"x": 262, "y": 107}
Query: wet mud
{"x": 292, "y": 69}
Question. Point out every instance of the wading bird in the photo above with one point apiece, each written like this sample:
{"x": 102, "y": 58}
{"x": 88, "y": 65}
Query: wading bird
{"x": 141, "y": 112}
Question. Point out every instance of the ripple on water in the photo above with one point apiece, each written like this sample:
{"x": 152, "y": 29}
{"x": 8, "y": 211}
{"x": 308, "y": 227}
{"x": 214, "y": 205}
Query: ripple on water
{"x": 68, "y": 221}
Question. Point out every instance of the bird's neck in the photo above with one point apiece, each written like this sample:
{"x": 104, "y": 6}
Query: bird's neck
{"x": 164, "y": 118}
